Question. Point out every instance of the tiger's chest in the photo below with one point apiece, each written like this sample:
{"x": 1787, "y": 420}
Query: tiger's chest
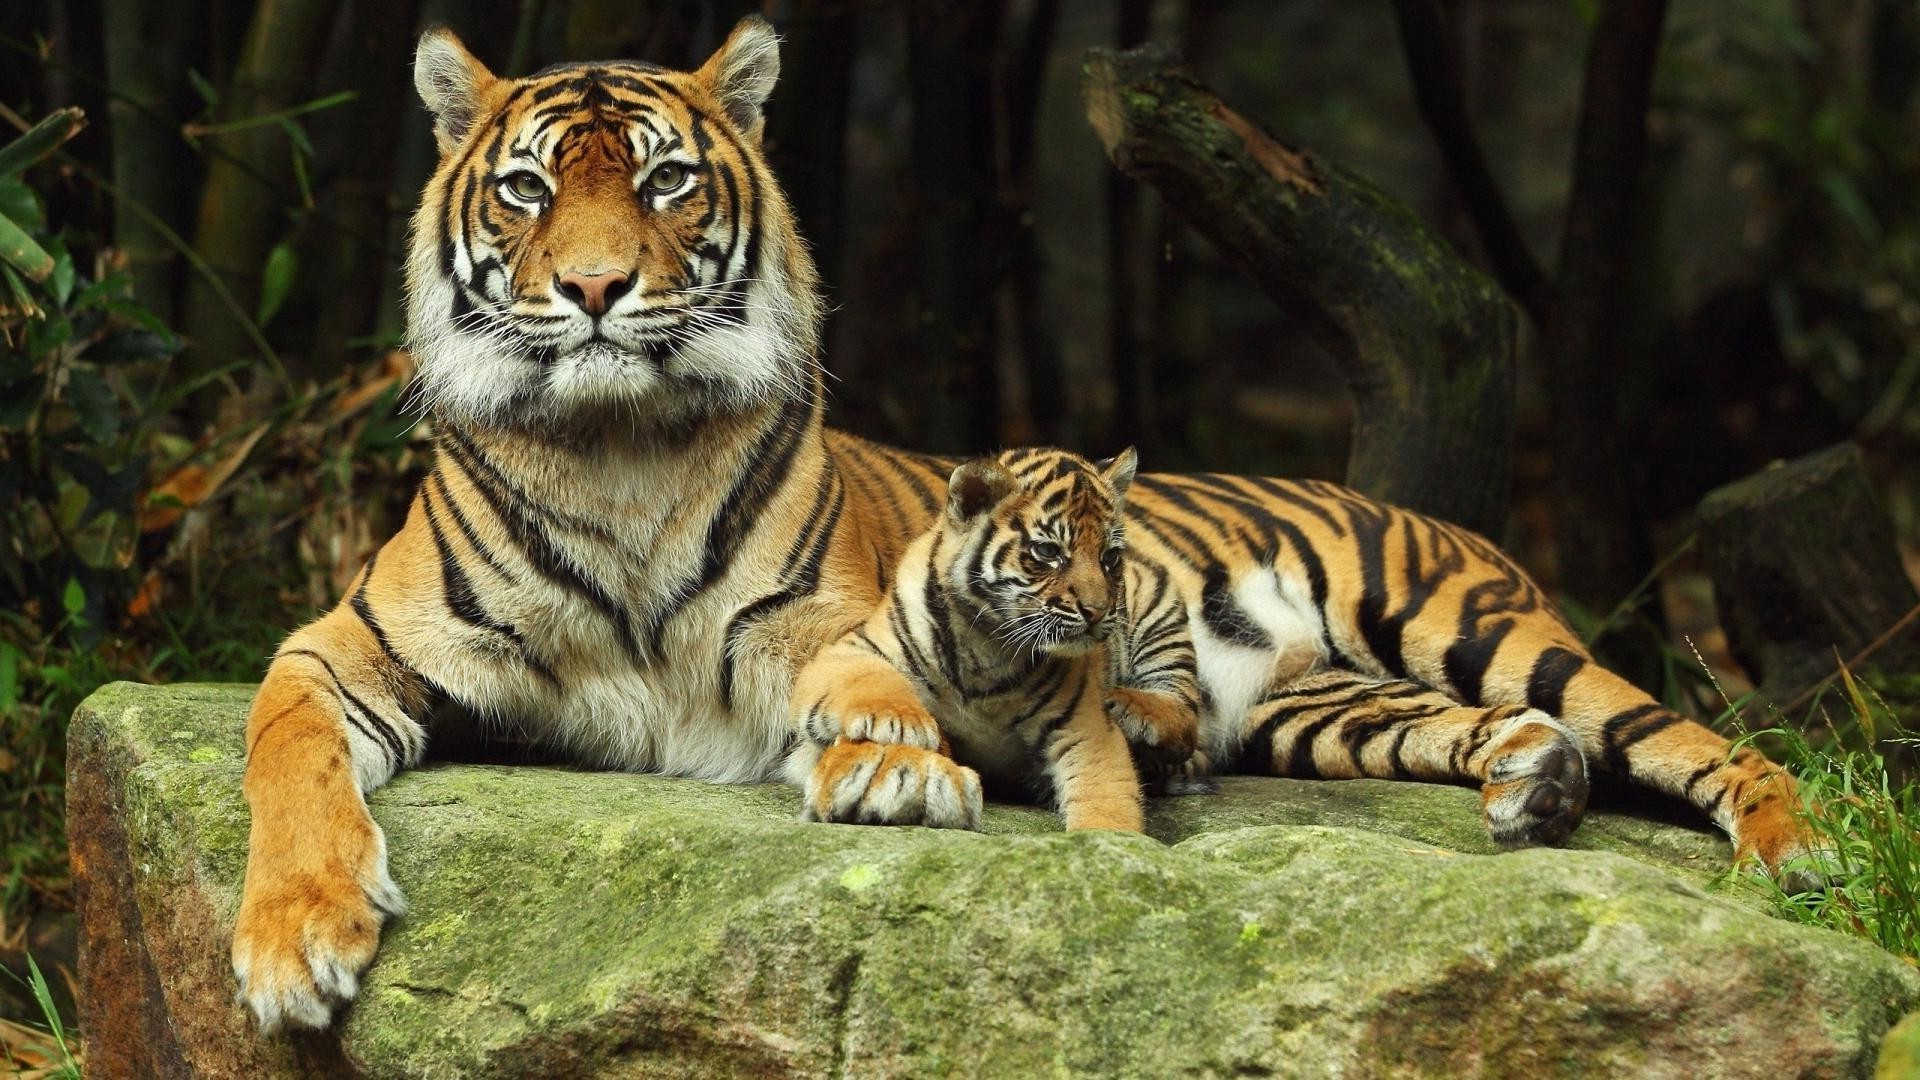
{"x": 646, "y": 664}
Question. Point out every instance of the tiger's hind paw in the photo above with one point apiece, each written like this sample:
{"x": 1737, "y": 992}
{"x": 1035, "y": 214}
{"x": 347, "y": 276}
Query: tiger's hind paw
{"x": 1536, "y": 787}
{"x": 1767, "y": 831}
{"x": 866, "y": 783}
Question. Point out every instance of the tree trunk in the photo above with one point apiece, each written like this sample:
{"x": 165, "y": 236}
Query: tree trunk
{"x": 1603, "y": 548}
{"x": 1443, "y": 105}
{"x": 950, "y": 46}
{"x": 1033, "y": 401}
{"x": 1806, "y": 572}
{"x": 240, "y": 215}
{"x": 146, "y": 52}
{"x": 807, "y": 135}
{"x": 1426, "y": 342}
{"x": 357, "y": 249}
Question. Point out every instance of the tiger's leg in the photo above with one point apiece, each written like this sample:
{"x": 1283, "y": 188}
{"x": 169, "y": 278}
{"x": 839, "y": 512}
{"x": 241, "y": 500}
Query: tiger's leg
{"x": 1154, "y": 692}
{"x": 1091, "y": 767}
{"x": 333, "y": 720}
{"x": 871, "y": 783}
{"x": 852, "y": 690}
{"x": 1623, "y": 731}
{"x": 1344, "y": 725}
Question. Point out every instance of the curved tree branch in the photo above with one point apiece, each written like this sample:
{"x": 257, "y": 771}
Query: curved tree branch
{"x": 1426, "y": 342}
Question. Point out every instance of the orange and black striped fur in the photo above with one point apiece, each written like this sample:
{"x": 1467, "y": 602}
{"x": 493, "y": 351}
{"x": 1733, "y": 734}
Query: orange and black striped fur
{"x": 1009, "y": 618}
{"x": 638, "y": 531}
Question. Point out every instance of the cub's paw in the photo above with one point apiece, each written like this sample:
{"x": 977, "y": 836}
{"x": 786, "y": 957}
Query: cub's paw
{"x": 1193, "y": 776}
{"x": 1158, "y": 726}
{"x": 307, "y": 930}
{"x": 1536, "y": 787}
{"x": 867, "y": 783}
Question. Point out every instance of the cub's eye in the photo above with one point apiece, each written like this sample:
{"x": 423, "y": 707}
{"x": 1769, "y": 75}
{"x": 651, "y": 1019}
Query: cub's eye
{"x": 1045, "y": 551}
{"x": 667, "y": 176}
{"x": 526, "y": 186}
{"x": 1110, "y": 558}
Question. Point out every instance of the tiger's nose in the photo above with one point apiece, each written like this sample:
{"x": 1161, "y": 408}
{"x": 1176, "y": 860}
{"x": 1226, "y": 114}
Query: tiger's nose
{"x": 594, "y": 292}
{"x": 1091, "y": 614}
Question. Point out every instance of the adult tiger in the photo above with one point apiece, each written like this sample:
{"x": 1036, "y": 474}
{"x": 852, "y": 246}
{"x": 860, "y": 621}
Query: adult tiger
{"x": 638, "y": 529}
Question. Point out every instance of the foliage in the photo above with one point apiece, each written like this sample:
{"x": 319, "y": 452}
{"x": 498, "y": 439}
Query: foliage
{"x": 48, "y": 1051}
{"x": 128, "y": 550}
{"x": 1864, "y": 821}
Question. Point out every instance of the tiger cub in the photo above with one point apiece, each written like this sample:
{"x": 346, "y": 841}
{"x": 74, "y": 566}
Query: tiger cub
{"x": 1010, "y": 618}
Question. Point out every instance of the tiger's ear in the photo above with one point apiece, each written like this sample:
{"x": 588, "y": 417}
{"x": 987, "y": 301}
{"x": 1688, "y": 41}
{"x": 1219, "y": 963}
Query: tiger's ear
{"x": 1119, "y": 470}
{"x": 977, "y": 487}
{"x": 451, "y": 81}
{"x": 742, "y": 72}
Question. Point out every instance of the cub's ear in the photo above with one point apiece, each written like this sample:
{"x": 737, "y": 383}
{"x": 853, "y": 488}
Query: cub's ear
{"x": 1119, "y": 470}
{"x": 452, "y": 82}
{"x": 977, "y": 487}
{"x": 742, "y": 72}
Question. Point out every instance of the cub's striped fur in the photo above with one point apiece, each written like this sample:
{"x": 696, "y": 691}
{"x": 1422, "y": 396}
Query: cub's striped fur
{"x": 1003, "y": 616}
{"x": 639, "y": 530}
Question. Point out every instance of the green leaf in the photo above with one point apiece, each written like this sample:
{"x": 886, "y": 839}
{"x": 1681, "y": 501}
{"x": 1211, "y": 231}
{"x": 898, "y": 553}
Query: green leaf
{"x": 133, "y": 346}
{"x": 40, "y": 140}
{"x": 9, "y": 676}
{"x": 297, "y": 135}
{"x": 109, "y": 287}
{"x": 94, "y": 404}
{"x": 17, "y": 290}
{"x": 276, "y": 280}
{"x": 204, "y": 88}
{"x": 62, "y": 281}
{"x": 1846, "y": 198}
{"x": 19, "y": 250}
{"x": 75, "y": 598}
{"x": 137, "y": 315}
{"x": 19, "y": 203}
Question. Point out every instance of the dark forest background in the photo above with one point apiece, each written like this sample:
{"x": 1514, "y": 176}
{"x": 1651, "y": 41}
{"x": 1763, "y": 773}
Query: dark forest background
{"x": 1703, "y": 215}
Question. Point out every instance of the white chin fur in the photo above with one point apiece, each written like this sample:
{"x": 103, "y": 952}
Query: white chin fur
{"x": 474, "y": 375}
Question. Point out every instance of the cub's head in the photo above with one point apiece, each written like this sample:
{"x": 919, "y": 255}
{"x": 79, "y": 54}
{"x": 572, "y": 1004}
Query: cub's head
{"x": 605, "y": 239}
{"x": 1038, "y": 541}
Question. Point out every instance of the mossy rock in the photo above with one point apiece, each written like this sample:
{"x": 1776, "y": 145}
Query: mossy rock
{"x": 580, "y": 923}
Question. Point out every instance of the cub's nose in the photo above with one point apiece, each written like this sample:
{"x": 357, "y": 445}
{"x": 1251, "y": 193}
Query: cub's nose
{"x": 1091, "y": 614}
{"x": 595, "y": 293}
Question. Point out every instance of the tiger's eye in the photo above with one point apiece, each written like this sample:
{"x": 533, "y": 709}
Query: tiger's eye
{"x": 1045, "y": 551}
{"x": 526, "y": 185}
{"x": 1110, "y": 558}
{"x": 667, "y": 176}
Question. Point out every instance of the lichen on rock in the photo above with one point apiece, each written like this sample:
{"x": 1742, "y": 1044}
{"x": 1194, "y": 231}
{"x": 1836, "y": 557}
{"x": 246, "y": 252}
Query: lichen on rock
{"x": 579, "y": 923}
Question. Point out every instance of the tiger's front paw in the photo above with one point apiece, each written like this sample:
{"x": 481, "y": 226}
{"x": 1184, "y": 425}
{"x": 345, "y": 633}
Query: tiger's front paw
{"x": 867, "y": 783}
{"x": 308, "y": 927}
{"x": 1160, "y": 729}
{"x": 1536, "y": 787}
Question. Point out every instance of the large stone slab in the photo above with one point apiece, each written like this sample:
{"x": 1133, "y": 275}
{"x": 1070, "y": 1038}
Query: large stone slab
{"x": 571, "y": 923}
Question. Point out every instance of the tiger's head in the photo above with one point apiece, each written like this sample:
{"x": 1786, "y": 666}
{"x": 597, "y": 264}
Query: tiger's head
{"x": 605, "y": 239}
{"x": 1038, "y": 540}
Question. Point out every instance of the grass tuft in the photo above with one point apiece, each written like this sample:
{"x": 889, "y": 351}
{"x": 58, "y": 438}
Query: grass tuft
{"x": 45, "y": 1049}
{"x": 1862, "y": 813}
